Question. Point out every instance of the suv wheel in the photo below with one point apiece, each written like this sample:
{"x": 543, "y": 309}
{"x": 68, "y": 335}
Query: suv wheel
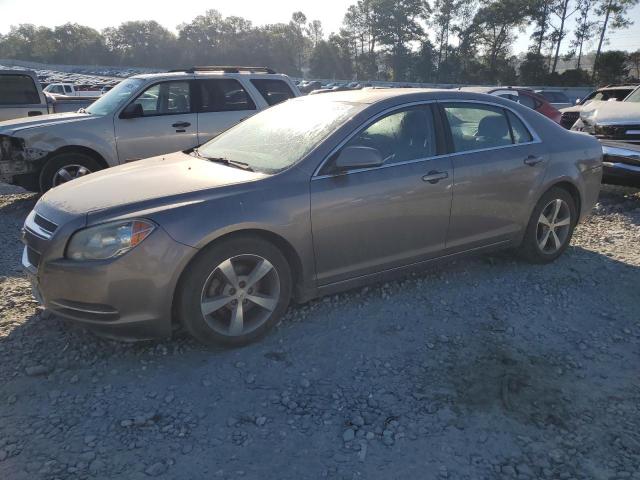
{"x": 234, "y": 292}
{"x": 65, "y": 167}
{"x": 550, "y": 227}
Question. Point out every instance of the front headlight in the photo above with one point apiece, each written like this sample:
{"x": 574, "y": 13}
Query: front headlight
{"x": 108, "y": 240}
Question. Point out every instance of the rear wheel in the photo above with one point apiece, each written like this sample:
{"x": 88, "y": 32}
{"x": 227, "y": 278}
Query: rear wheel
{"x": 234, "y": 291}
{"x": 65, "y": 167}
{"x": 550, "y": 227}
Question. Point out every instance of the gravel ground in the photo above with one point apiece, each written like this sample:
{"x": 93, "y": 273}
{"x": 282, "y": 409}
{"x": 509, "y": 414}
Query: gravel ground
{"x": 486, "y": 368}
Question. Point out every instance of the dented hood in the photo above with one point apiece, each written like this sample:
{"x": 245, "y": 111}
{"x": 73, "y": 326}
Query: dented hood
{"x": 602, "y": 113}
{"x": 161, "y": 177}
{"x": 11, "y": 127}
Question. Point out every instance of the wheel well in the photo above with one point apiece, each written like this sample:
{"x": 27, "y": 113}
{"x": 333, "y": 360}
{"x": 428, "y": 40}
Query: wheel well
{"x": 84, "y": 150}
{"x": 290, "y": 254}
{"x": 573, "y": 191}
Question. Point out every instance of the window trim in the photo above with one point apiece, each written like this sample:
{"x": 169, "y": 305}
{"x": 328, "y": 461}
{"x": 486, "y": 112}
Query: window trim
{"x": 153, "y": 84}
{"x": 370, "y": 121}
{"x": 197, "y": 95}
{"x": 442, "y": 124}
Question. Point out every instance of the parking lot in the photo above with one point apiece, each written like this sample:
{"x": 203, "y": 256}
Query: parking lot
{"x": 484, "y": 368}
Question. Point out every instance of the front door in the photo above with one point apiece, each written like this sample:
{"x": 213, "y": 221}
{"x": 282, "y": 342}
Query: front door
{"x": 369, "y": 220}
{"x": 168, "y": 123}
{"x": 498, "y": 165}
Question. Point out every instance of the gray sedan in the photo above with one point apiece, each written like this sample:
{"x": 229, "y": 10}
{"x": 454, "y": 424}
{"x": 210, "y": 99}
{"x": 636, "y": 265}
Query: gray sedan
{"x": 310, "y": 197}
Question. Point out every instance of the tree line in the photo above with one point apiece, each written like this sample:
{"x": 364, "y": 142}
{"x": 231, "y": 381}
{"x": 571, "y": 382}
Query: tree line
{"x": 446, "y": 41}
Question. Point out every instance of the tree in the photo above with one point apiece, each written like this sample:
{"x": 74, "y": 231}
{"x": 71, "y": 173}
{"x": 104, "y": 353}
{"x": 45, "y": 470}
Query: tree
{"x": 297, "y": 24}
{"x": 533, "y": 69}
{"x": 445, "y": 13}
{"x": 493, "y": 29}
{"x": 561, "y": 9}
{"x": 585, "y": 28}
{"x": 314, "y": 30}
{"x": 540, "y": 12}
{"x": 634, "y": 65}
{"x": 611, "y": 67}
{"x": 398, "y": 24}
{"x": 141, "y": 43}
{"x": 615, "y": 18}
{"x": 328, "y": 60}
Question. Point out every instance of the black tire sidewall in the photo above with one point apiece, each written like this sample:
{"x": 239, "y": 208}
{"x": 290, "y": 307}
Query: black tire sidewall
{"x": 58, "y": 161}
{"x": 199, "y": 269}
{"x": 530, "y": 249}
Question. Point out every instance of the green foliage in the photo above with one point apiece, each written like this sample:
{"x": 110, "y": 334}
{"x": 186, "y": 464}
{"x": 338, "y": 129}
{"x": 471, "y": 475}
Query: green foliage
{"x": 611, "y": 67}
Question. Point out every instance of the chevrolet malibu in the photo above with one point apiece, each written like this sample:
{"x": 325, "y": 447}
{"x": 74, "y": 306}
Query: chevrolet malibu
{"x": 310, "y": 197}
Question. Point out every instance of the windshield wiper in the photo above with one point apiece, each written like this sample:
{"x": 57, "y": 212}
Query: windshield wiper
{"x": 225, "y": 161}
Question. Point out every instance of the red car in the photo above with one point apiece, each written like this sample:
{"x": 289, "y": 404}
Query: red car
{"x": 524, "y": 96}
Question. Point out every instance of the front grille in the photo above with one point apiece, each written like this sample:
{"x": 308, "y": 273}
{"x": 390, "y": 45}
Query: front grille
{"x": 624, "y": 133}
{"x": 33, "y": 257}
{"x": 45, "y": 224}
{"x": 568, "y": 119}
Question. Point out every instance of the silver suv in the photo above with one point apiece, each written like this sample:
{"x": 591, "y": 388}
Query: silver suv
{"x": 143, "y": 116}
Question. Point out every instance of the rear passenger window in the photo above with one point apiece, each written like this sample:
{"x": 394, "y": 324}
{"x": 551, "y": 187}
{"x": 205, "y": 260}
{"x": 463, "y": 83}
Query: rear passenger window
{"x": 273, "y": 91}
{"x": 520, "y": 133}
{"x": 166, "y": 98}
{"x": 223, "y": 95}
{"x": 475, "y": 127}
{"x": 527, "y": 101}
{"x": 401, "y": 136}
{"x": 18, "y": 90}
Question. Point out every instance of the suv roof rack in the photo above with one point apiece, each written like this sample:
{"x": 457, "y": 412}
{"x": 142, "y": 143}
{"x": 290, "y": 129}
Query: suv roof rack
{"x": 225, "y": 69}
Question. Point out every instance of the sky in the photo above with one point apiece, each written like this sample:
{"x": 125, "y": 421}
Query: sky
{"x": 330, "y": 12}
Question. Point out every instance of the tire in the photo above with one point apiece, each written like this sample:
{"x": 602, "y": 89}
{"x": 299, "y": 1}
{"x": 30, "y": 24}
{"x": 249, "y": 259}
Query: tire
{"x": 531, "y": 248}
{"x": 206, "y": 285}
{"x": 73, "y": 161}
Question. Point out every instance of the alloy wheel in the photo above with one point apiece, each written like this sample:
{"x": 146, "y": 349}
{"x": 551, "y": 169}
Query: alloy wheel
{"x": 554, "y": 225}
{"x": 240, "y": 295}
{"x": 68, "y": 173}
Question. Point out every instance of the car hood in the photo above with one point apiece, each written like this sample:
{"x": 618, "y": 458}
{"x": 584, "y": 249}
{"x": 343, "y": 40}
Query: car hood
{"x": 10, "y": 127}
{"x": 142, "y": 181}
{"x": 612, "y": 112}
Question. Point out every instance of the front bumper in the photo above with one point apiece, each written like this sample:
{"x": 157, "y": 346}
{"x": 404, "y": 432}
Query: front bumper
{"x": 128, "y": 297}
{"x": 621, "y": 163}
{"x": 17, "y": 160}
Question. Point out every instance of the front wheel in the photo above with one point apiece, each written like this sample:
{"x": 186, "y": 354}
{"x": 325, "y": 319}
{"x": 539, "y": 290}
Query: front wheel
{"x": 550, "y": 227}
{"x": 65, "y": 167}
{"x": 234, "y": 291}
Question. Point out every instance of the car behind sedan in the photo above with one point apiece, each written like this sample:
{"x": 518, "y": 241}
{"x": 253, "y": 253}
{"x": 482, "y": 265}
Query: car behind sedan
{"x": 310, "y": 197}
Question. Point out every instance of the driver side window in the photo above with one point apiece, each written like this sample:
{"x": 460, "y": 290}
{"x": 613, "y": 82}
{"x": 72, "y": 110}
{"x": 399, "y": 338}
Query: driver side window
{"x": 165, "y": 98}
{"x": 401, "y": 136}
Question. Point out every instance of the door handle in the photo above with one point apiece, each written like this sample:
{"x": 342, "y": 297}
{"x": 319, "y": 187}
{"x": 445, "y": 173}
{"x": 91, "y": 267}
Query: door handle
{"x": 34, "y": 113}
{"x": 434, "y": 176}
{"x": 532, "y": 160}
{"x": 181, "y": 125}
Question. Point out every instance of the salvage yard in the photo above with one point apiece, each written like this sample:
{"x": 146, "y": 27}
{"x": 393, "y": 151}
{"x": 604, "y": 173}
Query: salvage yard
{"x": 487, "y": 368}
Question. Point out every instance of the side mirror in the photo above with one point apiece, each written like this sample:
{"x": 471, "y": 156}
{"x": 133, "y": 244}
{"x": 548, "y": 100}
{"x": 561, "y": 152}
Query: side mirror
{"x": 133, "y": 110}
{"x": 355, "y": 157}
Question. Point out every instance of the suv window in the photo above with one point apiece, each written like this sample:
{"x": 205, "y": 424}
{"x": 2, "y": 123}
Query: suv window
{"x": 400, "y": 136}
{"x": 67, "y": 89}
{"x": 167, "y": 98}
{"x": 18, "y": 90}
{"x": 475, "y": 127}
{"x": 273, "y": 91}
{"x": 223, "y": 95}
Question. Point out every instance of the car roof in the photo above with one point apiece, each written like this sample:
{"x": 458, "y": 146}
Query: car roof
{"x": 618, "y": 87}
{"x": 376, "y": 95}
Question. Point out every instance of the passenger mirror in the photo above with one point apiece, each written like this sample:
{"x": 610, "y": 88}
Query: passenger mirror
{"x": 355, "y": 157}
{"x": 133, "y": 110}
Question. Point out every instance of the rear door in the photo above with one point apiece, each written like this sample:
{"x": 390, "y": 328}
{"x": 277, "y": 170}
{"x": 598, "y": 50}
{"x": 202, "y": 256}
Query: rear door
{"x": 498, "y": 163}
{"x": 168, "y": 124}
{"x": 220, "y": 103}
{"x": 19, "y": 97}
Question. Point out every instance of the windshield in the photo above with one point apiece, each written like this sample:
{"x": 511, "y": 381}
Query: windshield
{"x": 115, "y": 98}
{"x": 281, "y": 135}
{"x": 634, "y": 97}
